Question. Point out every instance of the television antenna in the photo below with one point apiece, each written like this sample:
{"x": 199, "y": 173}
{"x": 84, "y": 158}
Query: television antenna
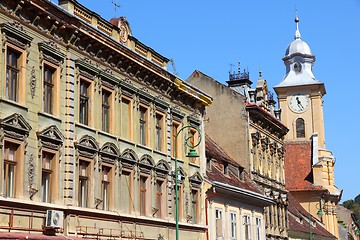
{"x": 116, "y": 5}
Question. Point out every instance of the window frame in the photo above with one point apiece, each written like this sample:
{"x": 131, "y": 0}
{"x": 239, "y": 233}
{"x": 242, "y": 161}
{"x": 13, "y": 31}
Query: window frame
{"x": 87, "y": 117}
{"x": 53, "y": 172}
{"x": 247, "y": 227}
{"x": 20, "y": 82}
{"x": 84, "y": 200}
{"x": 233, "y": 225}
{"x": 55, "y": 95}
{"x": 106, "y": 187}
{"x": 143, "y": 194}
{"x": 300, "y": 130}
{"x": 219, "y": 232}
{"x": 143, "y": 125}
{"x": 160, "y": 119}
{"x": 160, "y": 194}
{"x": 258, "y": 228}
{"x": 106, "y": 119}
{"x": 126, "y": 127}
{"x": 10, "y": 191}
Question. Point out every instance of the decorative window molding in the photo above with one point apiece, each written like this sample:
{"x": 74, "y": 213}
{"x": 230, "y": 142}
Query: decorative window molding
{"x": 160, "y": 104}
{"x": 14, "y": 33}
{"x": 144, "y": 96}
{"x": 176, "y": 113}
{"x": 87, "y": 146}
{"x": 51, "y": 137}
{"x": 193, "y": 120}
{"x": 109, "y": 153}
{"x": 195, "y": 180}
{"x": 146, "y": 164}
{"x": 50, "y": 52}
{"x": 162, "y": 168}
{"x": 15, "y": 126}
{"x": 128, "y": 159}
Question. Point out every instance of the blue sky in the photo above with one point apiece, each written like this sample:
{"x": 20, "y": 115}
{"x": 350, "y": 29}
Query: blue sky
{"x": 211, "y": 35}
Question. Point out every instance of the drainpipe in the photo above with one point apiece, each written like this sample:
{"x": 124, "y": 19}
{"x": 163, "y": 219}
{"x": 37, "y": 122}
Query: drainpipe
{"x": 206, "y": 211}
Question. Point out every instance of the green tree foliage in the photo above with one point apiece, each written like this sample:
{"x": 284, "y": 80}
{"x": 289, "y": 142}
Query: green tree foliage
{"x": 357, "y": 199}
{"x": 354, "y": 206}
{"x": 349, "y": 204}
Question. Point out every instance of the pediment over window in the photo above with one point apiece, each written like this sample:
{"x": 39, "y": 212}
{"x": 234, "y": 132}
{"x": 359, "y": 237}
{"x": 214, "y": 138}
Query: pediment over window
{"x": 109, "y": 152}
{"x": 162, "y": 168}
{"x": 196, "y": 180}
{"x": 87, "y": 146}
{"x": 15, "y": 126}
{"x": 51, "y": 52}
{"x": 146, "y": 163}
{"x": 14, "y": 32}
{"x": 128, "y": 158}
{"x": 51, "y": 137}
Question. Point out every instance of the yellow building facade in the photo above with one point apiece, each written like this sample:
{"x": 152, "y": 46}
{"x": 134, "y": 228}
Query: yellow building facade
{"x": 91, "y": 126}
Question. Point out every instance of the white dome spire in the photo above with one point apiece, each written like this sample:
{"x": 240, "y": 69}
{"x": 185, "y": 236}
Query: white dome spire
{"x": 297, "y": 32}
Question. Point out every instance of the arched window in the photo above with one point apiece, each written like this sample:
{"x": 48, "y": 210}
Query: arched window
{"x": 300, "y": 128}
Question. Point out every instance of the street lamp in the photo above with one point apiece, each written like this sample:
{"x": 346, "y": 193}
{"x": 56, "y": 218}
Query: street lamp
{"x": 319, "y": 213}
{"x": 191, "y": 154}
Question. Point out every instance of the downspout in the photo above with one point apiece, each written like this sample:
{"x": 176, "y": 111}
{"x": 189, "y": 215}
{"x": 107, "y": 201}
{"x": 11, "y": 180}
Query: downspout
{"x": 206, "y": 211}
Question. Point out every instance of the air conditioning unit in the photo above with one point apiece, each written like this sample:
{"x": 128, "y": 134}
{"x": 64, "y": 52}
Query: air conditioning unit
{"x": 54, "y": 219}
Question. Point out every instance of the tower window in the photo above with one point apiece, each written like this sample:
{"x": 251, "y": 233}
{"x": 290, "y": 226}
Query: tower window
{"x": 300, "y": 128}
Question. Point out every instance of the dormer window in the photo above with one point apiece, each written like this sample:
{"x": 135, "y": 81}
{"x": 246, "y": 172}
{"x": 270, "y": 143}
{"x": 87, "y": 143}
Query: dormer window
{"x": 226, "y": 168}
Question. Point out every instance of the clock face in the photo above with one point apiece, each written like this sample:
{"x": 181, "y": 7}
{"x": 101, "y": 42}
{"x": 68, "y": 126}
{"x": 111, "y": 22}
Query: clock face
{"x": 299, "y": 102}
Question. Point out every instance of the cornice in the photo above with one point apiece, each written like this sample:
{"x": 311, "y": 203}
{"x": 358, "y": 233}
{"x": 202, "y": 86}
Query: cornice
{"x": 266, "y": 121}
{"x": 74, "y": 33}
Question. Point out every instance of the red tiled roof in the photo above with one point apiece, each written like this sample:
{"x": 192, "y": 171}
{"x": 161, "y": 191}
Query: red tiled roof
{"x": 215, "y": 152}
{"x": 297, "y": 210}
{"x": 298, "y": 168}
{"x": 214, "y": 174}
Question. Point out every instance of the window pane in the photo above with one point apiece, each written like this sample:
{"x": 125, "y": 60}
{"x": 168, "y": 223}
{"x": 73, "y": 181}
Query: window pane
{"x": 12, "y": 74}
{"x": 48, "y": 89}
{"x": 300, "y": 128}
{"x": 105, "y": 111}
{"x": 159, "y": 132}
{"x": 125, "y": 118}
{"x": 143, "y": 195}
{"x": 143, "y": 125}
{"x": 84, "y": 103}
{"x": 125, "y": 190}
{"x": 105, "y": 187}
{"x": 159, "y": 197}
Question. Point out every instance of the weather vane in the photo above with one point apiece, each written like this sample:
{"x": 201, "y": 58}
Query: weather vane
{"x": 116, "y": 5}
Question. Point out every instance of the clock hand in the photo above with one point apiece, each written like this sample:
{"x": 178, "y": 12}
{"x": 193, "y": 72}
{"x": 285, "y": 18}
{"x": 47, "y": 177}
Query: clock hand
{"x": 301, "y": 106}
{"x": 299, "y": 103}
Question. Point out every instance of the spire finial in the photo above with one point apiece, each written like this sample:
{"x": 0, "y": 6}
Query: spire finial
{"x": 297, "y": 32}
{"x": 260, "y": 72}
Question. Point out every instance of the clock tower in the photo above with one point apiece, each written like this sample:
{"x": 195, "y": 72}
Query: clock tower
{"x": 300, "y": 93}
{"x": 309, "y": 166}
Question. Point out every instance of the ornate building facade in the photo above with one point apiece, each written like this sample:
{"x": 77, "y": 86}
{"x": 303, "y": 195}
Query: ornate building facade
{"x": 309, "y": 165}
{"x": 91, "y": 126}
{"x": 244, "y": 122}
